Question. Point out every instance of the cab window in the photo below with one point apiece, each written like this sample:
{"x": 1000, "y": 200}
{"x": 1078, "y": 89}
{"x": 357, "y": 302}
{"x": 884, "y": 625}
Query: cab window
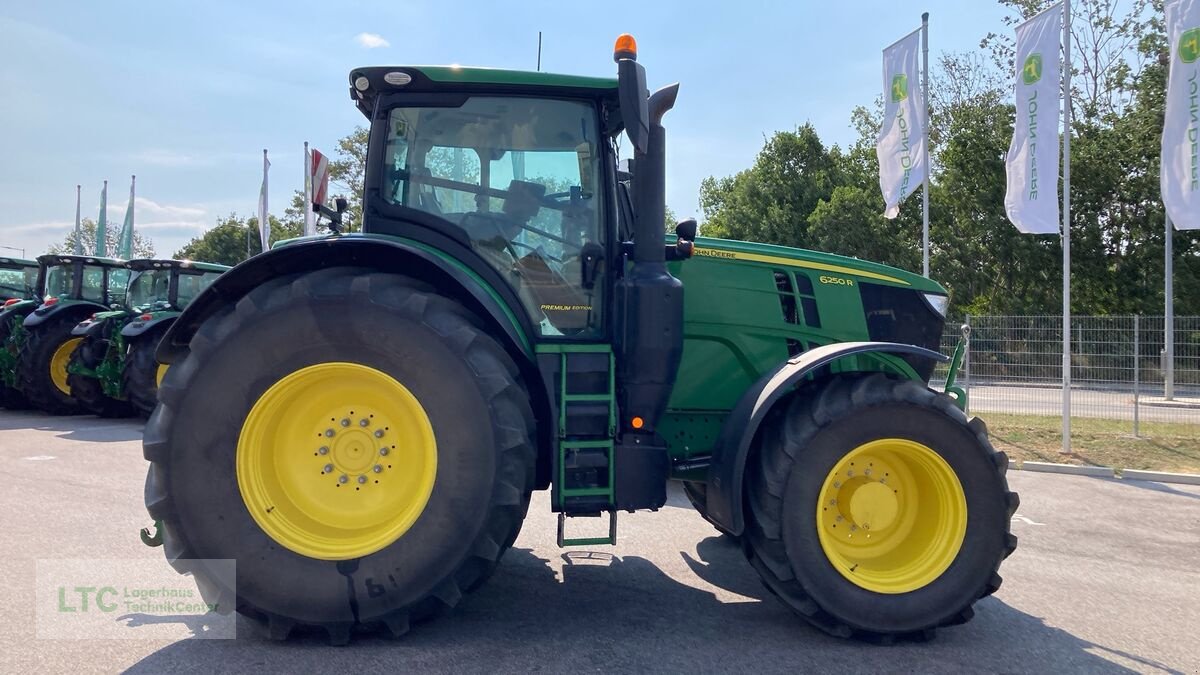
{"x": 518, "y": 176}
{"x": 191, "y": 284}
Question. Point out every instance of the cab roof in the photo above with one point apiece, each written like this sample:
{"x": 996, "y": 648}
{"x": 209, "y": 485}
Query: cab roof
{"x": 142, "y": 264}
{"x": 62, "y": 259}
{"x": 16, "y": 262}
{"x": 449, "y": 79}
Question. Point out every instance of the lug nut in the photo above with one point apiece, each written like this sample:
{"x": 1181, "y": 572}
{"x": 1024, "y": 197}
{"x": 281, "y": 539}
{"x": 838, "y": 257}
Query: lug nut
{"x": 324, "y": 449}
{"x": 383, "y": 452}
{"x": 362, "y": 479}
{"x": 379, "y": 433}
{"x": 328, "y": 468}
{"x": 343, "y": 478}
{"x": 364, "y": 422}
{"x": 329, "y": 433}
{"x": 345, "y": 422}
{"x": 377, "y": 468}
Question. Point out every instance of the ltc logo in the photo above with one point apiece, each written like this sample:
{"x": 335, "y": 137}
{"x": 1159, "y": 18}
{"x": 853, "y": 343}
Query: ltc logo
{"x": 1032, "y": 72}
{"x": 899, "y": 87}
{"x": 1189, "y": 45}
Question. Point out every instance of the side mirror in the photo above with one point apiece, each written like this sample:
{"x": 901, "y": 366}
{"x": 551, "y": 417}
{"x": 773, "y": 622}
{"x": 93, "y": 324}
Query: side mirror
{"x": 687, "y": 229}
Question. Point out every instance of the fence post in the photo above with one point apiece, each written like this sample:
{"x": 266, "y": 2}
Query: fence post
{"x": 1136, "y": 375}
{"x": 966, "y": 367}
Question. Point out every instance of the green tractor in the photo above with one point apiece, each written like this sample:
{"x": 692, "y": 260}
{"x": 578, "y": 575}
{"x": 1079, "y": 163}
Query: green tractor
{"x": 75, "y": 287}
{"x": 18, "y": 288}
{"x": 113, "y": 373}
{"x": 359, "y": 420}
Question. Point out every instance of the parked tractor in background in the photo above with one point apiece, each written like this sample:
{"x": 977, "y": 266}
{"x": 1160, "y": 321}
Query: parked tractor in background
{"x": 113, "y": 372}
{"x": 507, "y": 322}
{"x": 18, "y": 288}
{"x": 74, "y": 288}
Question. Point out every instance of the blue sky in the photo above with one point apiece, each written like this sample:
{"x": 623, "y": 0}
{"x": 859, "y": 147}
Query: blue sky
{"x": 187, "y": 94}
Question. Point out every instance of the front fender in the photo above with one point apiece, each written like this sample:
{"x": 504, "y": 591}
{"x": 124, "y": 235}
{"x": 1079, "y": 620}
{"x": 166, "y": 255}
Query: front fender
{"x": 493, "y": 302}
{"x": 138, "y": 327}
{"x": 44, "y": 313}
{"x": 726, "y": 472}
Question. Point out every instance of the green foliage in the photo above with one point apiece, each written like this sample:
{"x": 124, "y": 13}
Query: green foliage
{"x": 798, "y": 193}
{"x": 232, "y": 238}
{"x": 143, "y": 247}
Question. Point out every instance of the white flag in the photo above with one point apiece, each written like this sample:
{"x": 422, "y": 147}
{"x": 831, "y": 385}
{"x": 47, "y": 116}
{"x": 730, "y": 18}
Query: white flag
{"x": 1031, "y": 199}
{"x": 310, "y": 222}
{"x": 1181, "y": 130}
{"x": 901, "y": 144}
{"x": 264, "y": 218}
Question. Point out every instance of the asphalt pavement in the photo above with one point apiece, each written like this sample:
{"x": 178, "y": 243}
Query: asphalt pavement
{"x": 1106, "y": 579}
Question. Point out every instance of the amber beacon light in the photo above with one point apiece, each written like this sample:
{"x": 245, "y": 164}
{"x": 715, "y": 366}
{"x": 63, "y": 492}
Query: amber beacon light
{"x": 625, "y": 48}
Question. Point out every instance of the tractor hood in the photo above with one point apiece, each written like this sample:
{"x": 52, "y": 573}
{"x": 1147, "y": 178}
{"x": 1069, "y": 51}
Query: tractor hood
{"x": 834, "y": 265}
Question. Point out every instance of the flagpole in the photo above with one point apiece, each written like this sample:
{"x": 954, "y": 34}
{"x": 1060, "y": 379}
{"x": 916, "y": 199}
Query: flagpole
{"x": 78, "y": 226}
{"x": 1066, "y": 229}
{"x": 1169, "y": 319}
{"x": 925, "y": 145}
{"x": 309, "y": 228}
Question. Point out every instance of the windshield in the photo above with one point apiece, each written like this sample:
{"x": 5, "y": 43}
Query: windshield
{"x": 149, "y": 290}
{"x": 519, "y": 176}
{"x": 58, "y": 281}
{"x": 104, "y": 285}
{"x": 17, "y": 283}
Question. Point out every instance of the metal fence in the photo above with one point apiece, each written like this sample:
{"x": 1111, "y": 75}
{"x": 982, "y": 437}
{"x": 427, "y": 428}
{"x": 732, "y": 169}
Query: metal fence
{"x": 1118, "y": 364}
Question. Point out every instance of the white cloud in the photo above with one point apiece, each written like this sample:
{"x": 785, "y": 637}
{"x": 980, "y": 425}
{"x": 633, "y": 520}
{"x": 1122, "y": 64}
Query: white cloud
{"x": 371, "y": 40}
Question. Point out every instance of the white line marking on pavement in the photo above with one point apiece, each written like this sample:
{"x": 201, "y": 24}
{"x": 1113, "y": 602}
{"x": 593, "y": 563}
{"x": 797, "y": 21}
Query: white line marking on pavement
{"x": 39, "y": 458}
{"x": 1022, "y": 519}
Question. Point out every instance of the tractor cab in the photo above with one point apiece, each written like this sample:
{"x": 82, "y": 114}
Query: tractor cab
{"x": 522, "y": 178}
{"x": 160, "y": 289}
{"x": 18, "y": 279}
{"x": 72, "y": 279}
{"x": 168, "y": 285}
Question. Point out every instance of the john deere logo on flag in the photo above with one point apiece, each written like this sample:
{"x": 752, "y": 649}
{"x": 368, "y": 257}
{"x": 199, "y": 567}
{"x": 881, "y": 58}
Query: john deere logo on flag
{"x": 899, "y": 87}
{"x": 1032, "y": 72}
{"x": 1189, "y": 45}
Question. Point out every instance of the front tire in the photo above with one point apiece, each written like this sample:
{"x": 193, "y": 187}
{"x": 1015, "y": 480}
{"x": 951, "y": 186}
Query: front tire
{"x": 143, "y": 373}
{"x": 899, "y": 467}
{"x": 89, "y": 391}
{"x": 235, "y": 409}
{"x": 11, "y": 397}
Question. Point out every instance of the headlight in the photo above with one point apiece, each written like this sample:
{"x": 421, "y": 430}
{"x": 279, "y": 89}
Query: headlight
{"x": 939, "y": 303}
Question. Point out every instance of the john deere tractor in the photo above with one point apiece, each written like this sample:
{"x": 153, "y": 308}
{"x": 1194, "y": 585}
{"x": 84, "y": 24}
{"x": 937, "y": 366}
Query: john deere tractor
{"x": 18, "y": 288}
{"x": 112, "y": 373}
{"x": 359, "y": 420}
{"x": 75, "y": 287}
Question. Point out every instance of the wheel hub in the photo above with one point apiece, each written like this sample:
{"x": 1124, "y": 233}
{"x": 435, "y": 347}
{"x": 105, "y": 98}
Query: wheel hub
{"x": 336, "y": 460}
{"x": 891, "y": 516}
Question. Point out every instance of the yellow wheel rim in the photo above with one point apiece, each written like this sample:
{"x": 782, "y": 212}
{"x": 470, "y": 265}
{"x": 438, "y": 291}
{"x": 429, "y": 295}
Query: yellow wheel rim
{"x": 892, "y": 515}
{"x": 58, "y": 364}
{"x": 336, "y": 461}
{"x": 159, "y": 374}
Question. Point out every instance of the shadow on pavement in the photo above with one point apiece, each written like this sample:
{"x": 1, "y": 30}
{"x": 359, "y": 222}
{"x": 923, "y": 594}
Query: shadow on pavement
{"x": 611, "y": 613}
{"x": 75, "y": 427}
{"x": 1153, "y": 486}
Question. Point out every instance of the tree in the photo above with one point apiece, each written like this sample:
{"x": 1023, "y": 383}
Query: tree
{"x": 228, "y": 242}
{"x": 143, "y": 247}
{"x": 772, "y": 200}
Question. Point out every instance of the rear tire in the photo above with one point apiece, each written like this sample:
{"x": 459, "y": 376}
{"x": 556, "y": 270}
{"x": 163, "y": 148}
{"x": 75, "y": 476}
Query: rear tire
{"x": 141, "y": 373}
{"x": 464, "y": 382}
{"x": 88, "y": 391}
{"x": 802, "y": 458}
{"x": 46, "y": 390}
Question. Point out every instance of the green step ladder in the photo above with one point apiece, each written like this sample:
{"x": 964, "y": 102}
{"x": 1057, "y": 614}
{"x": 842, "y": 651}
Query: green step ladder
{"x": 571, "y": 447}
